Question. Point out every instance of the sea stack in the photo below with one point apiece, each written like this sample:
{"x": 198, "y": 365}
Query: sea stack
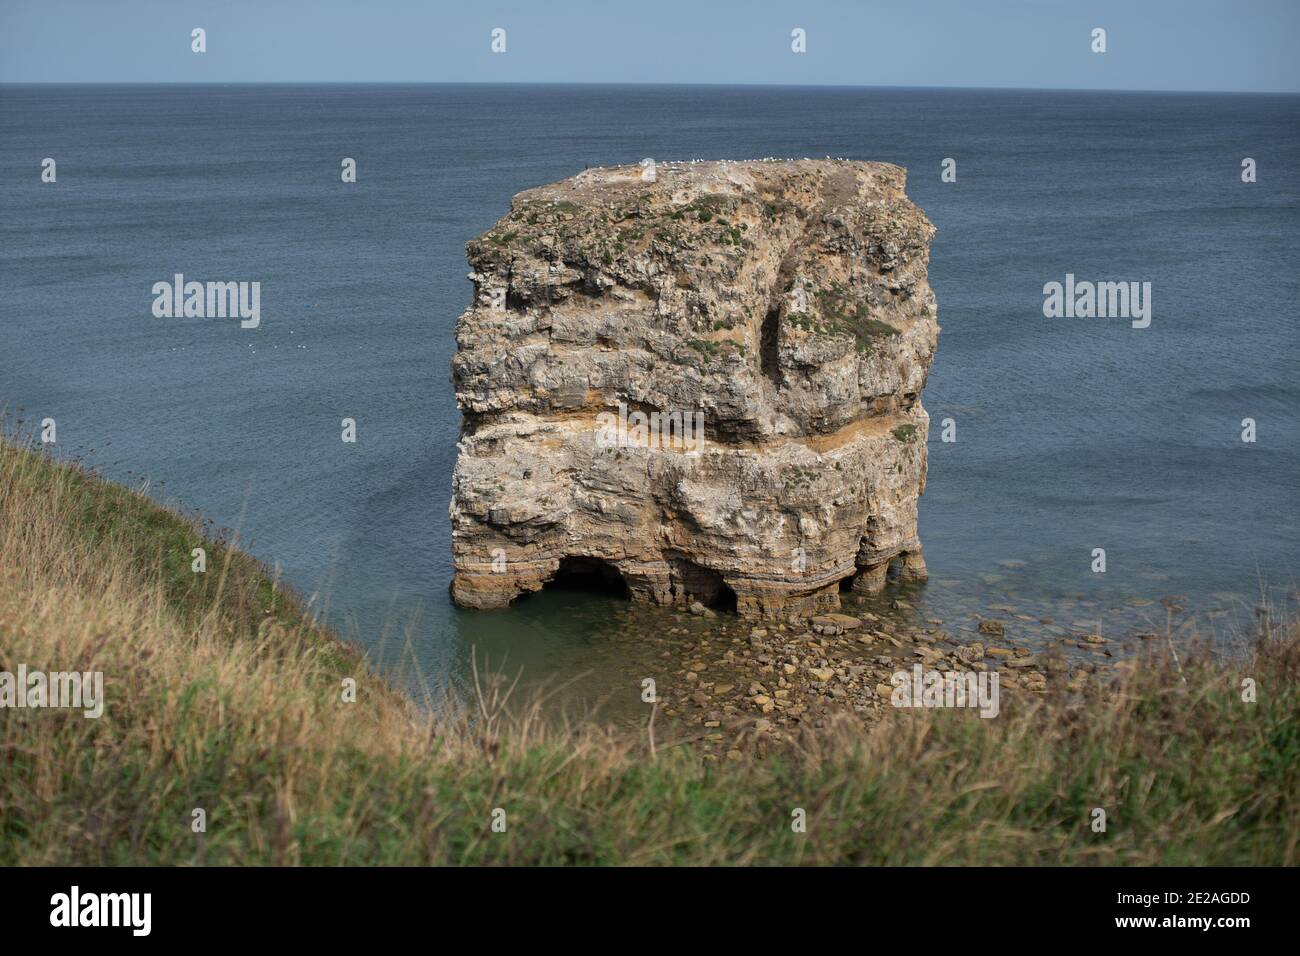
{"x": 781, "y": 305}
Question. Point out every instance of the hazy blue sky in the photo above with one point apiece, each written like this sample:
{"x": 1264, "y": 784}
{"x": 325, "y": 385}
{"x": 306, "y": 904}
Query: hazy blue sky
{"x": 1152, "y": 44}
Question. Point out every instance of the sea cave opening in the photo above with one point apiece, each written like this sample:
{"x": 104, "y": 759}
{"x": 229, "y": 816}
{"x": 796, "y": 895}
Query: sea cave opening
{"x": 702, "y": 584}
{"x": 591, "y": 575}
{"x": 725, "y": 600}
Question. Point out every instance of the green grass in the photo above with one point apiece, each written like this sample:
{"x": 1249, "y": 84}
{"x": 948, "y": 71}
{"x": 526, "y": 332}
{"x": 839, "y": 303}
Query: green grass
{"x": 221, "y": 694}
{"x": 837, "y": 314}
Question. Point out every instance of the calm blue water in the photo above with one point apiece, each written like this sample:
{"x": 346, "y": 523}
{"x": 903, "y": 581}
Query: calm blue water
{"x": 1072, "y": 434}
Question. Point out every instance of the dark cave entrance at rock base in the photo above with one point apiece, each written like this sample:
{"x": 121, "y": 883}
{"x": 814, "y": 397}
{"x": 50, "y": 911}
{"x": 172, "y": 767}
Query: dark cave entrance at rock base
{"x": 725, "y": 602}
{"x": 892, "y": 575}
{"x": 590, "y": 575}
{"x": 698, "y": 583}
{"x": 895, "y": 572}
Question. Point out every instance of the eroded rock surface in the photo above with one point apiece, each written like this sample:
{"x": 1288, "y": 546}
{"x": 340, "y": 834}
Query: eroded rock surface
{"x": 783, "y": 305}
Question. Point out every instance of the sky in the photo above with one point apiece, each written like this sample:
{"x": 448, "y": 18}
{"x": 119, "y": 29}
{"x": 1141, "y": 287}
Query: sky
{"x": 1219, "y": 45}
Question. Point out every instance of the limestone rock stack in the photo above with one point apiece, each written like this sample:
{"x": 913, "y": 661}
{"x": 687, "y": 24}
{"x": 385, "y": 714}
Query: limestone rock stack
{"x": 700, "y": 379}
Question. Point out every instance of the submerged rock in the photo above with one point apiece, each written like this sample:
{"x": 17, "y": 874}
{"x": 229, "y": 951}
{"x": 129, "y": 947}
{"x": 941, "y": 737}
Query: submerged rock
{"x": 703, "y": 388}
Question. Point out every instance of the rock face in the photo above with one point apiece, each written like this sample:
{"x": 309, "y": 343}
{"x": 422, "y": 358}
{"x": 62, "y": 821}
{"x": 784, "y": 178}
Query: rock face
{"x": 701, "y": 380}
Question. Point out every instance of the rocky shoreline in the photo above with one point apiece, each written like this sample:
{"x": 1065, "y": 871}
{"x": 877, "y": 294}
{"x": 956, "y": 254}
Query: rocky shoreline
{"x": 843, "y": 663}
{"x": 725, "y": 686}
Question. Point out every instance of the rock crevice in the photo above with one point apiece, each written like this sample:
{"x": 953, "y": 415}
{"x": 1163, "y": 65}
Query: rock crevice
{"x": 781, "y": 307}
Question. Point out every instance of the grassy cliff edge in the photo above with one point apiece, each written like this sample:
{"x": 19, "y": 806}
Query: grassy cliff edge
{"x": 223, "y": 695}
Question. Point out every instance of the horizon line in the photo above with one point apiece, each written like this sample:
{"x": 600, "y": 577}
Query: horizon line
{"x": 654, "y": 83}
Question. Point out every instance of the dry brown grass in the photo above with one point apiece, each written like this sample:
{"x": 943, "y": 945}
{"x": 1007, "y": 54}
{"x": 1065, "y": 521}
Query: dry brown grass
{"x": 222, "y": 695}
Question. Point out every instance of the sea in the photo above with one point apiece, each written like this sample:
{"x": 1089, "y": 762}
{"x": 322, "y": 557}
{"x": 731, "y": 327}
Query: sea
{"x": 1071, "y": 434}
